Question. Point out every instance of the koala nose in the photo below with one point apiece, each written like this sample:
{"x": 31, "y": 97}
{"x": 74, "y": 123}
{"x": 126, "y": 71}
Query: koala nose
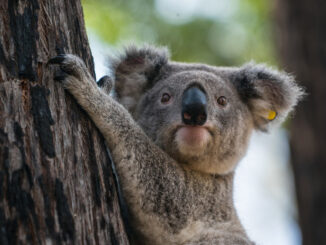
{"x": 194, "y": 106}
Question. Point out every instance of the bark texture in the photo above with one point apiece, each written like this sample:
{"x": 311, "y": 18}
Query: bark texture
{"x": 301, "y": 38}
{"x": 56, "y": 181}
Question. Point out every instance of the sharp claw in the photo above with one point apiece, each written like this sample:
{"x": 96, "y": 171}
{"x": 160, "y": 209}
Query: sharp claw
{"x": 60, "y": 75}
{"x": 59, "y": 78}
{"x": 57, "y": 60}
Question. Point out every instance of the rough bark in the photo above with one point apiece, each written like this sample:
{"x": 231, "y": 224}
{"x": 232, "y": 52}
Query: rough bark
{"x": 301, "y": 38}
{"x": 56, "y": 181}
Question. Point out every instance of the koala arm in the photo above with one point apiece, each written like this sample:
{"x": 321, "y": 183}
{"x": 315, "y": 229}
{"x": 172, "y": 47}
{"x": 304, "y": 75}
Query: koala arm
{"x": 112, "y": 119}
{"x": 126, "y": 140}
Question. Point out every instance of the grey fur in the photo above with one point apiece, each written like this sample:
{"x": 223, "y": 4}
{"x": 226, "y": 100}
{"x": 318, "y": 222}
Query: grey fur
{"x": 178, "y": 196}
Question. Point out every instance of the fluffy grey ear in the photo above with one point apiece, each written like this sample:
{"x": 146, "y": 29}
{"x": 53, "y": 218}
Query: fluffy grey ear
{"x": 135, "y": 71}
{"x": 269, "y": 94}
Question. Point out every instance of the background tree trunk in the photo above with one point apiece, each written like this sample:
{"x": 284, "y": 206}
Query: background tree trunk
{"x": 301, "y": 34}
{"x": 56, "y": 182}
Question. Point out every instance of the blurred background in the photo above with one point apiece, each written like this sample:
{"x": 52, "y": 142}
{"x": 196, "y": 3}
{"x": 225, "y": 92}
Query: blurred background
{"x": 279, "y": 185}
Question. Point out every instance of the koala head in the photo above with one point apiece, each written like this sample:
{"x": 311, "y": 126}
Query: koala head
{"x": 201, "y": 115}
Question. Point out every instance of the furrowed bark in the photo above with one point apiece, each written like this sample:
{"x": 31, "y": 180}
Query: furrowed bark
{"x": 56, "y": 180}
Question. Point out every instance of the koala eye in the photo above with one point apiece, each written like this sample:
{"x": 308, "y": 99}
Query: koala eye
{"x": 222, "y": 101}
{"x": 165, "y": 98}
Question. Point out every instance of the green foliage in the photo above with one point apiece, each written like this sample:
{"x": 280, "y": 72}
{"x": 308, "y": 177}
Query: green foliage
{"x": 222, "y": 39}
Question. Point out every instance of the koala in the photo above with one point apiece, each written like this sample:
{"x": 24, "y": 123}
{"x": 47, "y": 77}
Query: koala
{"x": 176, "y": 132}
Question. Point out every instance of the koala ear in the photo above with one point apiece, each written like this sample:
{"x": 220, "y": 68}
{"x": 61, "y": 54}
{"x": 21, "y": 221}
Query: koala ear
{"x": 269, "y": 94}
{"x": 135, "y": 71}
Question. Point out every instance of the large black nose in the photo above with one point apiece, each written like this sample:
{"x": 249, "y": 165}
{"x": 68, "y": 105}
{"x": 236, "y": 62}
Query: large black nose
{"x": 194, "y": 106}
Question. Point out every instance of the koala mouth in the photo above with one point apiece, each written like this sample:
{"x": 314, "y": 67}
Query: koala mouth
{"x": 192, "y": 140}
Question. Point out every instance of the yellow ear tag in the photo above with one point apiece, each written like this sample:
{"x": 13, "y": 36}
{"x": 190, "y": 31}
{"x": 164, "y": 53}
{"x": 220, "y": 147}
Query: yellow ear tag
{"x": 271, "y": 115}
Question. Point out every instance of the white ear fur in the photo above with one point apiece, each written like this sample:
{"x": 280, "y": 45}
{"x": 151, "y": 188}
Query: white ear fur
{"x": 270, "y": 94}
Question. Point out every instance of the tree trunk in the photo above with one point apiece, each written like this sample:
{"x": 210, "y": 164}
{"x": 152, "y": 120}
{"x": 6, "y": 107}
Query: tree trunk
{"x": 56, "y": 180}
{"x": 301, "y": 37}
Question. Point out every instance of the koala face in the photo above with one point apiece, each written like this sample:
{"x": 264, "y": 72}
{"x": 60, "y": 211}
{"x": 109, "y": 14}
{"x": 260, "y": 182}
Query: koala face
{"x": 201, "y": 115}
{"x": 213, "y": 144}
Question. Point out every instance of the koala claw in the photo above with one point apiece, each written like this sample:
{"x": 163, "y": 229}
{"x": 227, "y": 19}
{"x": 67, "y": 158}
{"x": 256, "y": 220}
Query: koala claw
{"x": 60, "y": 76}
{"x": 57, "y": 59}
{"x": 70, "y": 64}
{"x": 73, "y": 72}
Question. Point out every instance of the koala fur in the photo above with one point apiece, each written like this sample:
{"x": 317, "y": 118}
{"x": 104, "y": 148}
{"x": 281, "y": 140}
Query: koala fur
{"x": 178, "y": 185}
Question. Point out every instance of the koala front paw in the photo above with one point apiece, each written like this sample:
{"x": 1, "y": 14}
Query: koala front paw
{"x": 74, "y": 71}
